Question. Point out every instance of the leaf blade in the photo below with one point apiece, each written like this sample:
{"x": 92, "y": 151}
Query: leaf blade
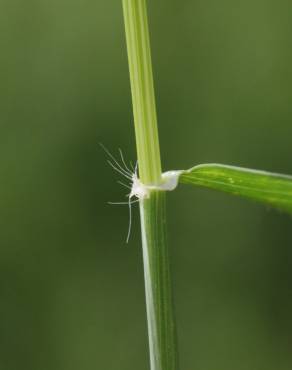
{"x": 269, "y": 188}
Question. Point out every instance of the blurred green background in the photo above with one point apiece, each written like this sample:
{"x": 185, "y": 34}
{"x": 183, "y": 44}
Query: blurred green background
{"x": 71, "y": 291}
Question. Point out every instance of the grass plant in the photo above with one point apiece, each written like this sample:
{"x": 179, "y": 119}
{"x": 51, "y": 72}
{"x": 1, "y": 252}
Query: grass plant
{"x": 271, "y": 189}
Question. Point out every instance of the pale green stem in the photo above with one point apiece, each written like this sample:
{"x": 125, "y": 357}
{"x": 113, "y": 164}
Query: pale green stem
{"x": 138, "y": 44}
{"x": 160, "y": 317}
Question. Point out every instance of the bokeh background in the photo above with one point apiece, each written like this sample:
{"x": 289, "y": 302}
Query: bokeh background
{"x": 71, "y": 291}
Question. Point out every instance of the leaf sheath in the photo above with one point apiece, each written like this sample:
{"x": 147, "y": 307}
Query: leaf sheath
{"x": 160, "y": 317}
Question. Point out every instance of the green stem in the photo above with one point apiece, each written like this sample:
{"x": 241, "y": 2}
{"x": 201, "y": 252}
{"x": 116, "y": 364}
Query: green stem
{"x": 145, "y": 119}
{"x": 160, "y": 317}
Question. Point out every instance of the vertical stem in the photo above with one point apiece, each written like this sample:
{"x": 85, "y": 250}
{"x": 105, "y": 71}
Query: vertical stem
{"x": 140, "y": 66}
{"x": 160, "y": 317}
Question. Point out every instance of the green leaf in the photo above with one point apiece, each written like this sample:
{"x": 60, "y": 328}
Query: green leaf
{"x": 270, "y": 188}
